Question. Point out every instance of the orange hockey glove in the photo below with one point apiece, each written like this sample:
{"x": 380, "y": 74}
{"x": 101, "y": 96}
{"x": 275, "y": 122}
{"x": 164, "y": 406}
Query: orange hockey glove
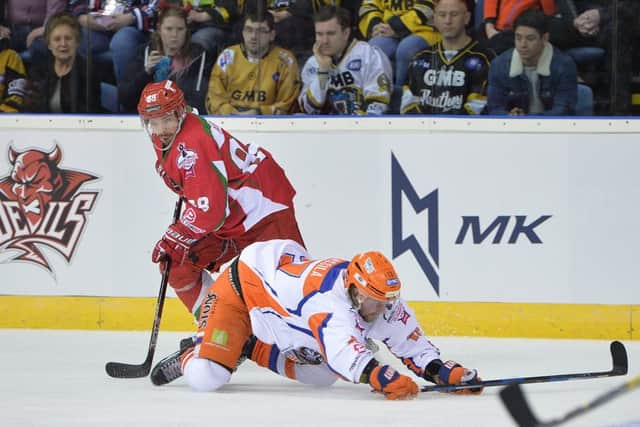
{"x": 384, "y": 379}
{"x": 175, "y": 244}
{"x": 451, "y": 372}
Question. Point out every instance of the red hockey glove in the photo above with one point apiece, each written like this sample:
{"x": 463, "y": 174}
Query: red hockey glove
{"x": 451, "y": 372}
{"x": 175, "y": 244}
{"x": 384, "y": 379}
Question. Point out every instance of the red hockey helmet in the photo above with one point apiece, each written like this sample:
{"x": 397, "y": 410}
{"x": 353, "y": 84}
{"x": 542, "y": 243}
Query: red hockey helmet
{"x": 373, "y": 274}
{"x": 161, "y": 98}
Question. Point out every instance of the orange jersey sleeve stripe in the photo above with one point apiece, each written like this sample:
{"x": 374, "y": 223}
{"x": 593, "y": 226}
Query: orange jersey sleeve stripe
{"x": 317, "y": 323}
{"x": 292, "y": 269}
{"x": 322, "y": 276}
{"x": 320, "y": 281}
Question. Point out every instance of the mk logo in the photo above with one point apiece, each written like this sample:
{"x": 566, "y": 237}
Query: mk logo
{"x": 499, "y": 225}
{"x": 428, "y": 261}
{"x": 503, "y": 229}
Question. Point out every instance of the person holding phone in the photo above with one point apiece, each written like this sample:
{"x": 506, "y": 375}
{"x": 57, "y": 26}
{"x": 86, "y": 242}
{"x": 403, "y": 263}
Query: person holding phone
{"x": 170, "y": 54}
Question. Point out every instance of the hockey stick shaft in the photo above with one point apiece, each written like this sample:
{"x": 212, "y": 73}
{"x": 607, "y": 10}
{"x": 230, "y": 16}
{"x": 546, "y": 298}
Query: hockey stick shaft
{"x": 515, "y": 401}
{"x": 125, "y": 370}
{"x": 620, "y": 365}
{"x": 603, "y": 398}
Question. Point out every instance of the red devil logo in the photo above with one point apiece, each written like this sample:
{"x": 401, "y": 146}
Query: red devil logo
{"x": 40, "y": 203}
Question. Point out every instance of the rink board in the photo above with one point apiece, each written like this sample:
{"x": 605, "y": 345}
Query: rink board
{"x": 584, "y": 321}
{"x": 496, "y": 227}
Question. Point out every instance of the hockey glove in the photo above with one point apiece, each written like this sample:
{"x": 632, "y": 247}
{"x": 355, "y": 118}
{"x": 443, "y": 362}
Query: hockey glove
{"x": 175, "y": 244}
{"x": 384, "y": 379}
{"x": 451, "y": 372}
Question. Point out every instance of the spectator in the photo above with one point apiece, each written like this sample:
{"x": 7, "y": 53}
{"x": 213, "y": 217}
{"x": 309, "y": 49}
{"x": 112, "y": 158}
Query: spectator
{"x": 294, "y": 21}
{"x": 12, "y": 79}
{"x": 114, "y": 28}
{"x": 170, "y": 54}
{"x": 400, "y": 29}
{"x": 255, "y": 77}
{"x": 534, "y": 78}
{"x": 211, "y": 23}
{"x": 344, "y": 75}
{"x": 22, "y": 21}
{"x": 499, "y": 16}
{"x": 587, "y": 32}
{"x": 65, "y": 83}
{"x": 451, "y": 77}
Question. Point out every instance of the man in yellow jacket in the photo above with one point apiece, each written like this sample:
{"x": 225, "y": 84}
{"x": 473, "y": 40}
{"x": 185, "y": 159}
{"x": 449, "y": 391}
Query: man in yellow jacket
{"x": 254, "y": 77}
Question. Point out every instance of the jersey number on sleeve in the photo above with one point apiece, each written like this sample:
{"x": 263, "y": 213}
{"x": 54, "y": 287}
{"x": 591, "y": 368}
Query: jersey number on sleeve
{"x": 247, "y": 160}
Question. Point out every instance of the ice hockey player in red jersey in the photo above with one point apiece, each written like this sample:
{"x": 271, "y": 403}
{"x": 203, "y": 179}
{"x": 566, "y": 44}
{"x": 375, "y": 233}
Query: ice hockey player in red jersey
{"x": 312, "y": 320}
{"x": 235, "y": 193}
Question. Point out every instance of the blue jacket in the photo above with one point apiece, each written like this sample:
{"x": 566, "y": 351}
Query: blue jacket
{"x": 509, "y": 86}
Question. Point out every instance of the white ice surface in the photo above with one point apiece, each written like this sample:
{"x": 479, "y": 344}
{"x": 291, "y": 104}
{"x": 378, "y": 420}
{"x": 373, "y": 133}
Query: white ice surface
{"x": 57, "y": 378}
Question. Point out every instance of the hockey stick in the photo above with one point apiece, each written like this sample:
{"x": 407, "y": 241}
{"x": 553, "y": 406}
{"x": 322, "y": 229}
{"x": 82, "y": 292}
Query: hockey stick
{"x": 515, "y": 401}
{"x": 618, "y": 356}
{"x": 125, "y": 370}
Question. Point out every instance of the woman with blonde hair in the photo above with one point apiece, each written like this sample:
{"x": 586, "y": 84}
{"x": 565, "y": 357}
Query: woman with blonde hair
{"x": 64, "y": 84}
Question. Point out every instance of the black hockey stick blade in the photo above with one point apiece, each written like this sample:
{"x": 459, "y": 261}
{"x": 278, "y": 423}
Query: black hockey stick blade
{"x": 618, "y": 357}
{"x": 516, "y": 403}
{"x": 124, "y": 370}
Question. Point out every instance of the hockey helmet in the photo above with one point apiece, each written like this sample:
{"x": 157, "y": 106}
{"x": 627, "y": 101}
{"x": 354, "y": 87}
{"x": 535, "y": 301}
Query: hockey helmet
{"x": 161, "y": 98}
{"x": 373, "y": 274}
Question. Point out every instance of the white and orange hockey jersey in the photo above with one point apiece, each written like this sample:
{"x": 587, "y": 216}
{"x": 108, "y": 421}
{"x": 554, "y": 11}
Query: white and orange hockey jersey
{"x": 358, "y": 83}
{"x": 296, "y": 302}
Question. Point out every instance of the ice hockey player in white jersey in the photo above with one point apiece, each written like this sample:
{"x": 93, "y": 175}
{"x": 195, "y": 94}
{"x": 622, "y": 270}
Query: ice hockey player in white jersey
{"x": 312, "y": 320}
{"x": 344, "y": 75}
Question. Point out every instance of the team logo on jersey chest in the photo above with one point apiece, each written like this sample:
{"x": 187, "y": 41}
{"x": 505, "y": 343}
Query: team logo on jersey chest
{"x": 187, "y": 160}
{"x": 41, "y": 205}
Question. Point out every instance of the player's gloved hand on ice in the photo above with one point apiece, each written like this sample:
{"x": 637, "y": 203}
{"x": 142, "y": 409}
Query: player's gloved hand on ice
{"x": 451, "y": 372}
{"x": 175, "y": 244}
{"x": 384, "y": 379}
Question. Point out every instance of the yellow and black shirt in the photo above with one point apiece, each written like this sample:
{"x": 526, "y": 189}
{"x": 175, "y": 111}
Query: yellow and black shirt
{"x": 447, "y": 82}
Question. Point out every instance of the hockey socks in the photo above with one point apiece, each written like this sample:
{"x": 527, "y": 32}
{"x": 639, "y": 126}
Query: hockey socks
{"x": 269, "y": 356}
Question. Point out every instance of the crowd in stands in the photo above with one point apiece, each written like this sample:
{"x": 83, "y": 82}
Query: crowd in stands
{"x": 358, "y": 57}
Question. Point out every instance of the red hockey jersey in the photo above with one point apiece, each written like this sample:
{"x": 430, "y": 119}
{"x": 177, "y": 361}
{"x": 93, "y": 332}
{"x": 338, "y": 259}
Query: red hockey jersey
{"x": 229, "y": 186}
